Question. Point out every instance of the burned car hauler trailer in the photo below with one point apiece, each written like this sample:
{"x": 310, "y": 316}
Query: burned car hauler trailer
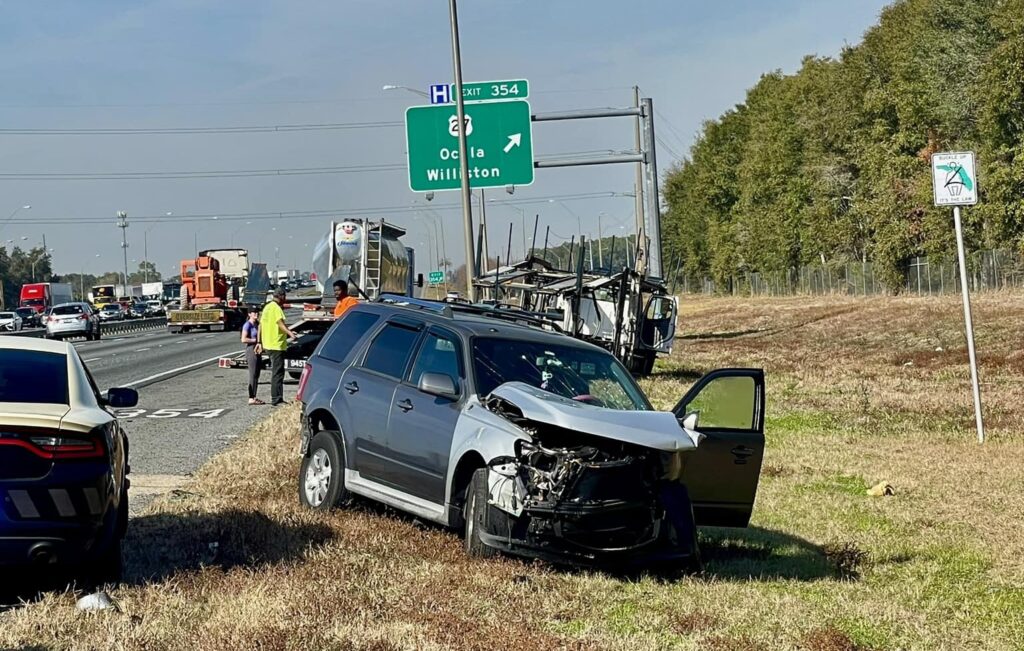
{"x": 625, "y": 312}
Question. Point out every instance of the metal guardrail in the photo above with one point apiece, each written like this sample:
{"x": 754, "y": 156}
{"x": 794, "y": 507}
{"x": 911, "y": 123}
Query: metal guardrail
{"x": 106, "y": 327}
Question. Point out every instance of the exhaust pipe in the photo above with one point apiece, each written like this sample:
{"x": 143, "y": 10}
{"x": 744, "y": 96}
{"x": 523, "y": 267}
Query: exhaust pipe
{"x": 43, "y": 553}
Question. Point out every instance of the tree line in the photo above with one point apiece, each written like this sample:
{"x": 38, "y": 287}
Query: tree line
{"x": 832, "y": 164}
{"x": 20, "y": 267}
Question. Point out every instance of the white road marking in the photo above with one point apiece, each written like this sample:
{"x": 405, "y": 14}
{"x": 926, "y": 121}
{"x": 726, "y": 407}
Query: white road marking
{"x": 142, "y": 350}
{"x": 173, "y": 371}
{"x": 91, "y": 360}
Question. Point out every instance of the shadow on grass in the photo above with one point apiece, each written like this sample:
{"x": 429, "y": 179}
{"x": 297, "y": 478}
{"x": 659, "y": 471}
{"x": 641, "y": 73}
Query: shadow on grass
{"x": 703, "y": 336}
{"x": 750, "y": 554}
{"x": 161, "y": 545}
{"x": 756, "y": 554}
{"x": 677, "y": 373}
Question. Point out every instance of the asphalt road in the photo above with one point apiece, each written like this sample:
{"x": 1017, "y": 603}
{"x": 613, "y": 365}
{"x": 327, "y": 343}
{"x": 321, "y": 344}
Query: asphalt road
{"x": 189, "y": 409}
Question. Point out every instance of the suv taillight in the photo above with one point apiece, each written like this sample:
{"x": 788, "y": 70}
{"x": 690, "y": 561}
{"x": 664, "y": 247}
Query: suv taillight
{"x": 307, "y": 371}
{"x": 84, "y": 317}
{"x": 54, "y": 446}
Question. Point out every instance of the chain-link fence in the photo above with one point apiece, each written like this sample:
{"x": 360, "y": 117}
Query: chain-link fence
{"x": 986, "y": 270}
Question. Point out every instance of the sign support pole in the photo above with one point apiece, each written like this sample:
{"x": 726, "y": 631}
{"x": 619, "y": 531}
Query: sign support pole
{"x": 460, "y": 111}
{"x": 969, "y": 323}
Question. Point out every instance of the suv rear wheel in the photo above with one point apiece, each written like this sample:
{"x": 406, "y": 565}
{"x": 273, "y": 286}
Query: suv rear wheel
{"x": 322, "y": 473}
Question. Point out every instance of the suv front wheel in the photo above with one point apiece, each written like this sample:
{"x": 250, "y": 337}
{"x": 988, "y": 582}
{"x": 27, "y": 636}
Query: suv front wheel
{"x": 322, "y": 473}
{"x": 474, "y": 513}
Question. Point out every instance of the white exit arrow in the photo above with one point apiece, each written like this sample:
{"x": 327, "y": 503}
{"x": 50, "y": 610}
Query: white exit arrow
{"x": 514, "y": 140}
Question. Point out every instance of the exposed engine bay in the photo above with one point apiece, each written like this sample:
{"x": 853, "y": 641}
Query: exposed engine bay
{"x": 590, "y": 494}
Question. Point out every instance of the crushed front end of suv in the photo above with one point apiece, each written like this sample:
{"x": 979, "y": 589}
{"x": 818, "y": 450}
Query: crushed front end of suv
{"x": 530, "y": 442}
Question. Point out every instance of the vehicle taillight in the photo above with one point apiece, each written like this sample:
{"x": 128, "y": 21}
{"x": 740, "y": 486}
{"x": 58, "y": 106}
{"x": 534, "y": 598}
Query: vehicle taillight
{"x": 83, "y": 317}
{"x": 307, "y": 371}
{"x": 54, "y": 446}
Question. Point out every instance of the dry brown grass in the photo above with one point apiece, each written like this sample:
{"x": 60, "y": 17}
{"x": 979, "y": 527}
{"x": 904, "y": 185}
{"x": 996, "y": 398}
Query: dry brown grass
{"x": 232, "y": 562}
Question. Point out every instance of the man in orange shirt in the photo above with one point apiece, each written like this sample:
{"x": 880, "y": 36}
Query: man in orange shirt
{"x": 344, "y": 300}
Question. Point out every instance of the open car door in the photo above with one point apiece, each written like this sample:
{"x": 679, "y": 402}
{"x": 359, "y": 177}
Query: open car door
{"x": 722, "y": 475}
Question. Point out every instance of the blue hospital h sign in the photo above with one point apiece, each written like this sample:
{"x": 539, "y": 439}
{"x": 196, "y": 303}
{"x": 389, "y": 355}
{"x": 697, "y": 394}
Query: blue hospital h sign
{"x": 440, "y": 94}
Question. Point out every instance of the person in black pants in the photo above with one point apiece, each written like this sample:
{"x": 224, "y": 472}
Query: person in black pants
{"x": 253, "y": 353}
{"x": 274, "y": 336}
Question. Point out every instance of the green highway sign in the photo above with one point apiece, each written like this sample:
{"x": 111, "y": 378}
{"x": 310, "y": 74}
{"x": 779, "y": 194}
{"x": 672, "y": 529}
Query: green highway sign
{"x": 479, "y": 91}
{"x": 436, "y": 277}
{"x": 499, "y": 145}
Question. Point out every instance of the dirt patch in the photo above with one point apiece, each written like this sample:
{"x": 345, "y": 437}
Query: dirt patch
{"x": 829, "y": 639}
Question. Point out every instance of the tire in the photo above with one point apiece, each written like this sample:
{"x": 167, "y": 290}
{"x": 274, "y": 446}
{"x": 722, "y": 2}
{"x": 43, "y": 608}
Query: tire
{"x": 474, "y": 514}
{"x": 97, "y": 333}
{"x": 322, "y": 473}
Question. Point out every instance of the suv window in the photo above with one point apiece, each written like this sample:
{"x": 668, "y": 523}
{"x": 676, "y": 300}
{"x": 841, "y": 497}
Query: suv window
{"x": 348, "y": 331}
{"x": 67, "y": 309}
{"x": 389, "y": 353}
{"x": 438, "y": 354}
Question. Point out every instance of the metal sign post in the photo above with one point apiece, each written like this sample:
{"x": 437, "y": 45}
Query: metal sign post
{"x": 955, "y": 183}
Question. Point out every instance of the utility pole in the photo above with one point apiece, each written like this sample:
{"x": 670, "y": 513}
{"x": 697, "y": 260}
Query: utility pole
{"x": 460, "y": 111}
{"x": 483, "y": 233}
{"x": 600, "y": 247}
{"x": 653, "y": 258}
{"x": 641, "y": 231}
{"x": 122, "y": 223}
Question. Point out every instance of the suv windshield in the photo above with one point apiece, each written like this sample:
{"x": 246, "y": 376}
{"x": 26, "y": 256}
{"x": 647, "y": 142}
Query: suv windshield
{"x": 591, "y": 376}
{"x": 25, "y": 311}
{"x": 32, "y": 376}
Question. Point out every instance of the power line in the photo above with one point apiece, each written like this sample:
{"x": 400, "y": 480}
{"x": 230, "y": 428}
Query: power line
{"x": 213, "y": 174}
{"x": 304, "y": 214}
{"x": 347, "y": 100}
{"x": 276, "y": 128}
{"x": 206, "y": 174}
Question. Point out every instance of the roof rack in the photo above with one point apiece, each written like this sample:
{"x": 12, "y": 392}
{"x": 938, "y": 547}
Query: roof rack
{"x": 419, "y": 303}
{"x": 509, "y": 314}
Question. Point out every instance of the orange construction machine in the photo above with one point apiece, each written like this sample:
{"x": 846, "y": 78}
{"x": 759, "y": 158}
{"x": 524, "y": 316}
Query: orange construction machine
{"x": 202, "y": 283}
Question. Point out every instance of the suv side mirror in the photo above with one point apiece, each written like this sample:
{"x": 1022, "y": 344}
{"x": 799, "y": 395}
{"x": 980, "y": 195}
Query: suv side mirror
{"x": 690, "y": 421}
{"x": 122, "y": 398}
{"x": 438, "y": 384}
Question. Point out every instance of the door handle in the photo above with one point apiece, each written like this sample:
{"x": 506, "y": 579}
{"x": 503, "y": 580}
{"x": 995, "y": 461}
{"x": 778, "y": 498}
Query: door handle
{"x": 405, "y": 405}
{"x": 742, "y": 453}
{"x": 352, "y": 387}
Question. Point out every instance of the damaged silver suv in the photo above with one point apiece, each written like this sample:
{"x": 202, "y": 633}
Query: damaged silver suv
{"x": 529, "y": 441}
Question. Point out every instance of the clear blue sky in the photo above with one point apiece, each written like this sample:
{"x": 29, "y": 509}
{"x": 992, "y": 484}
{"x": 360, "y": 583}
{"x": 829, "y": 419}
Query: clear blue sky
{"x": 190, "y": 63}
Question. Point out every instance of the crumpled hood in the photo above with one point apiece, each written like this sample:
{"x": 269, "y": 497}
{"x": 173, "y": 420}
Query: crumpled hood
{"x": 658, "y": 430}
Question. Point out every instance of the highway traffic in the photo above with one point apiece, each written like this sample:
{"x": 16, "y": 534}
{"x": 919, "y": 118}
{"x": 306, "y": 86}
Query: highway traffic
{"x": 188, "y": 407}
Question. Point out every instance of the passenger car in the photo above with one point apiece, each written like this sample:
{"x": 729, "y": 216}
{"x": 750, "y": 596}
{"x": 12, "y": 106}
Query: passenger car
{"x": 10, "y": 321}
{"x": 112, "y": 312}
{"x": 154, "y": 308}
{"x": 29, "y": 317}
{"x": 73, "y": 320}
{"x": 531, "y": 442}
{"x": 63, "y": 462}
